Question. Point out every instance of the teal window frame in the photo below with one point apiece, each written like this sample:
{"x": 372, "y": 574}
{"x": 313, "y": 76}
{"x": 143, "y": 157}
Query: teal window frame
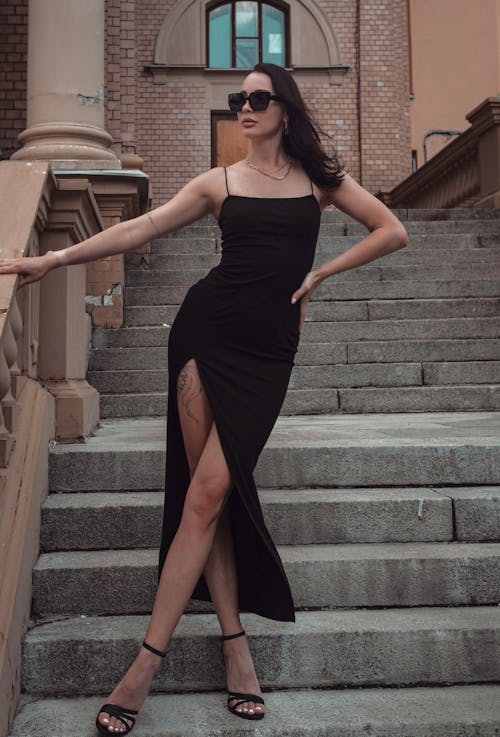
{"x": 283, "y": 7}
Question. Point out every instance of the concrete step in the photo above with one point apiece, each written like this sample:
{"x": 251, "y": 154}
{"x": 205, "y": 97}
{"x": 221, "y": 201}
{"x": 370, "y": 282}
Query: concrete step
{"x": 317, "y": 354}
{"x": 186, "y": 277}
{"x": 403, "y": 309}
{"x": 128, "y": 519}
{"x": 325, "y": 400}
{"x": 334, "y": 215}
{"x": 434, "y": 223}
{"x": 169, "y": 259}
{"x": 406, "y": 449}
{"x": 333, "y": 236}
{"x": 451, "y": 213}
{"x": 412, "y": 399}
{"x": 389, "y": 351}
{"x": 430, "y": 227}
{"x": 365, "y": 273}
{"x": 115, "y": 520}
{"x": 324, "y": 331}
{"x": 337, "y": 289}
{"x": 325, "y": 649}
{"x": 447, "y": 711}
{"x": 361, "y": 374}
{"x": 406, "y": 309}
{"x": 321, "y": 576}
{"x": 461, "y": 372}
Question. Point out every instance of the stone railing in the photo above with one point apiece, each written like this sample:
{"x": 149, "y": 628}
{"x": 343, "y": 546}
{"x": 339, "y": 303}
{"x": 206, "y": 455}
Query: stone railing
{"x": 465, "y": 173}
{"x": 45, "y": 334}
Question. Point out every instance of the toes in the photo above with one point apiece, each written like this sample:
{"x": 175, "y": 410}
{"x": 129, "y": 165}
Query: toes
{"x": 103, "y": 718}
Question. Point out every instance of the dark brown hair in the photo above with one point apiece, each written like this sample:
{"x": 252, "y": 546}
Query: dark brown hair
{"x": 303, "y": 141}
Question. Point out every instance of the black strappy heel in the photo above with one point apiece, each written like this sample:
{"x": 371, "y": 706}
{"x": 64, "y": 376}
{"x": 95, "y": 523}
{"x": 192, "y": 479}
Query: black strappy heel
{"x": 242, "y": 697}
{"x": 120, "y": 711}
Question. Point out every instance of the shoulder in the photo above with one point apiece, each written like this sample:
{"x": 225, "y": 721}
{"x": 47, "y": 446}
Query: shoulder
{"x": 208, "y": 184}
{"x": 209, "y": 177}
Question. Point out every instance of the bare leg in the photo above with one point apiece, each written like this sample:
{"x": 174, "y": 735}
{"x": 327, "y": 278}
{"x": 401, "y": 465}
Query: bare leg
{"x": 197, "y": 427}
{"x": 186, "y": 558}
{"x": 220, "y": 570}
{"x": 220, "y": 574}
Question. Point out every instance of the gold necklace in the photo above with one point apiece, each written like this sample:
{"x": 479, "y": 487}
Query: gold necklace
{"x": 270, "y": 173}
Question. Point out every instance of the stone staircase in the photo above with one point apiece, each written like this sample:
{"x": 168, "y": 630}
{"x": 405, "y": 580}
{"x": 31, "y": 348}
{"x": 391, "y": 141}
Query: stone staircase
{"x": 380, "y": 484}
{"x": 415, "y": 331}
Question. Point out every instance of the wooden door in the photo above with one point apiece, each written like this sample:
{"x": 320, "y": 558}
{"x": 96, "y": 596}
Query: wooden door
{"x": 228, "y": 143}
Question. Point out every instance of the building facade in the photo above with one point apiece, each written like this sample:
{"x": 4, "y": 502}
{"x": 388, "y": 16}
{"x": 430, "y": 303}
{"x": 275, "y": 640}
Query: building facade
{"x": 169, "y": 67}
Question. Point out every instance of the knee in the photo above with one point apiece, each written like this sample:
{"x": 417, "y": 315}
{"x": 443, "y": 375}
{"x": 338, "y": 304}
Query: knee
{"x": 205, "y": 500}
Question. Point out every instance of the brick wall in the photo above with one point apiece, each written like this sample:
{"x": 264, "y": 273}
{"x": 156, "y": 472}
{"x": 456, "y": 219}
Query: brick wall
{"x": 121, "y": 73}
{"x": 173, "y": 129}
{"x": 385, "y": 107}
{"x": 13, "y": 55}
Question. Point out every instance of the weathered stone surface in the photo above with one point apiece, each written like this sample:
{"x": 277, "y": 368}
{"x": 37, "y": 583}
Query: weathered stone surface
{"x": 150, "y": 315}
{"x": 131, "y": 519}
{"x": 409, "y": 309}
{"x": 477, "y": 512}
{"x": 383, "y": 309}
{"x": 401, "y": 449}
{"x": 451, "y": 711}
{"x": 419, "y": 645}
{"x": 461, "y": 372}
{"x": 468, "y": 349}
{"x": 321, "y": 576}
{"x": 420, "y": 398}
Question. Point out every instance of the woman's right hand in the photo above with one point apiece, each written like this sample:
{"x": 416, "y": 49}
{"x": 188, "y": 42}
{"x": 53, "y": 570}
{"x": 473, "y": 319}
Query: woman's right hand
{"x": 30, "y": 268}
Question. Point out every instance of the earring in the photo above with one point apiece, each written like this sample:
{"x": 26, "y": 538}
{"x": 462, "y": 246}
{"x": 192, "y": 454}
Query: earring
{"x": 286, "y": 127}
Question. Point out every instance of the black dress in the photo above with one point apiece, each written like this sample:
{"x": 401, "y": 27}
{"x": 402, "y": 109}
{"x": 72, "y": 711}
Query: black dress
{"x": 240, "y": 326}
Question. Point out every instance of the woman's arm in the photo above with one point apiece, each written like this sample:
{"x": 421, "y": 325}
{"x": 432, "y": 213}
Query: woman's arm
{"x": 387, "y": 235}
{"x": 193, "y": 201}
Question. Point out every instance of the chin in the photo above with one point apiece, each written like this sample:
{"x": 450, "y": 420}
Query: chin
{"x": 250, "y": 133}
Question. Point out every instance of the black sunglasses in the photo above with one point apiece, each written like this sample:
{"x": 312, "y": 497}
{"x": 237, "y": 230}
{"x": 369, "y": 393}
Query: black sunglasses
{"x": 259, "y": 100}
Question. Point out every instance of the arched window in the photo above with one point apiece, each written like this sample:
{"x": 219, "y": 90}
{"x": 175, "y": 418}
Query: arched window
{"x": 241, "y": 33}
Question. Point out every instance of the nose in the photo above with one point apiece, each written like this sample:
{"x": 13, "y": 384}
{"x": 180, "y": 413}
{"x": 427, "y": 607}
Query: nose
{"x": 246, "y": 107}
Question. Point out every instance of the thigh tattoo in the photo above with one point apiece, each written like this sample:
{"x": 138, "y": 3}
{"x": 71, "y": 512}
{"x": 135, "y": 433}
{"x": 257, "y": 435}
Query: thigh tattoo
{"x": 188, "y": 388}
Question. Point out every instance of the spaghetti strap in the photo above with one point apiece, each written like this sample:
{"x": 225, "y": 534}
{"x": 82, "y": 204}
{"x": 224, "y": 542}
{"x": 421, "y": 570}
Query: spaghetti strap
{"x": 312, "y": 190}
{"x": 225, "y": 173}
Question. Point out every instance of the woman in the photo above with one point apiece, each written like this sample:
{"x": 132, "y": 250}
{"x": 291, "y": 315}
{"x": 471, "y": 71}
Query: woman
{"x": 231, "y": 351}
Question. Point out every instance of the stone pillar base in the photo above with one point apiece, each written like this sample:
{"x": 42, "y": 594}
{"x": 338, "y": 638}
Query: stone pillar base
{"x": 77, "y": 408}
{"x": 49, "y": 141}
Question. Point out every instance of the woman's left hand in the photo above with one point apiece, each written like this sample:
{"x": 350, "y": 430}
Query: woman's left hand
{"x": 304, "y": 293}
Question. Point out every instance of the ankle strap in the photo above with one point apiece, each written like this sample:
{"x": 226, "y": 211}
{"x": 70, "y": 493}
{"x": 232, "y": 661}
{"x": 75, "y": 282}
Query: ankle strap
{"x": 230, "y": 637}
{"x": 154, "y": 650}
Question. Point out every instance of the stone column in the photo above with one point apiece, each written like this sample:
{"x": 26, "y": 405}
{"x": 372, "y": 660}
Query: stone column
{"x": 65, "y": 98}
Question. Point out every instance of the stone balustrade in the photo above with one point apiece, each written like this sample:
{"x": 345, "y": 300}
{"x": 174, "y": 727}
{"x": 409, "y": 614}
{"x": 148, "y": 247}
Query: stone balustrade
{"x": 465, "y": 173}
{"x": 45, "y": 333}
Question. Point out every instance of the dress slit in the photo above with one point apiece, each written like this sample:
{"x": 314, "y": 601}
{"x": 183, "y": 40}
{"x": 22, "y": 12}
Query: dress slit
{"x": 254, "y": 549}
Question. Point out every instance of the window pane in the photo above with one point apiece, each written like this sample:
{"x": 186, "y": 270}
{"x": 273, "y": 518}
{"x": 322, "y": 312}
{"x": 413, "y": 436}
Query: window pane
{"x": 273, "y": 35}
{"x": 246, "y": 18}
{"x": 220, "y": 37}
{"x": 246, "y": 52}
